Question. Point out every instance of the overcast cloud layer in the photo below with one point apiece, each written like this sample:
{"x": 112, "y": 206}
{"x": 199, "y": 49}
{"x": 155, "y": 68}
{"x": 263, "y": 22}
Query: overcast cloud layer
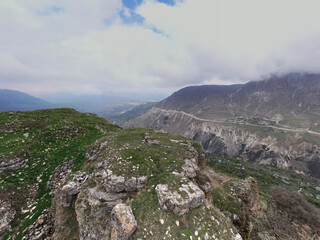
{"x": 94, "y": 46}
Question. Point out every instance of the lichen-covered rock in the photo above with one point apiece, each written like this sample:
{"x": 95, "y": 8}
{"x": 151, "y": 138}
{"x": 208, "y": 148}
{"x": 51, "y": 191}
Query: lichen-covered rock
{"x": 93, "y": 207}
{"x": 118, "y": 184}
{"x": 190, "y": 168}
{"x": 180, "y": 201}
{"x": 123, "y": 222}
{"x": 6, "y": 216}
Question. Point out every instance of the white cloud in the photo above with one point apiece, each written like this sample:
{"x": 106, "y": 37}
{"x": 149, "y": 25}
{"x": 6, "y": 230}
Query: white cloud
{"x": 73, "y": 45}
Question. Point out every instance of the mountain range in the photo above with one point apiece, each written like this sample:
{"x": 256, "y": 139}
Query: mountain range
{"x": 11, "y": 100}
{"x": 275, "y": 121}
{"x": 71, "y": 175}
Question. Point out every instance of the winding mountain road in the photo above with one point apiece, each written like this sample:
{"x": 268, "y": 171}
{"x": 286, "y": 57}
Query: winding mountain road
{"x": 284, "y": 128}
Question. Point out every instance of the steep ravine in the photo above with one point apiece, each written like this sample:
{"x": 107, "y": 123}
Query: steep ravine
{"x": 267, "y": 146}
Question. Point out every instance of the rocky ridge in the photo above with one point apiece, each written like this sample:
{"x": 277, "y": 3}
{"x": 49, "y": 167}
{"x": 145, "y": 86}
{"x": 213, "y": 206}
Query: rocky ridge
{"x": 292, "y": 152}
{"x": 273, "y": 121}
{"x": 130, "y": 184}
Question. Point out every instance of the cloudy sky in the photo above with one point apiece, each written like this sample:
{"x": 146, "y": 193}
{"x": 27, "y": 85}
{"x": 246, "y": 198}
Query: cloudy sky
{"x": 95, "y": 46}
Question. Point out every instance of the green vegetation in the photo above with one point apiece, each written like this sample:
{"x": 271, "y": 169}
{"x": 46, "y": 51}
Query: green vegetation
{"x": 267, "y": 177}
{"x": 197, "y": 223}
{"x": 45, "y": 139}
{"x": 146, "y": 152}
{"x": 140, "y": 152}
{"x": 311, "y": 138}
{"x": 296, "y": 121}
{"x": 297, "y": 208}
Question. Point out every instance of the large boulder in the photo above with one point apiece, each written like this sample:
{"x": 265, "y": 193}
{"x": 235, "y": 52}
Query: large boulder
{"x": 123, "y": 222}
{"x": 181, "y": 200}
{"x": 93, "y": 207}
{"x": 117, "y": 184}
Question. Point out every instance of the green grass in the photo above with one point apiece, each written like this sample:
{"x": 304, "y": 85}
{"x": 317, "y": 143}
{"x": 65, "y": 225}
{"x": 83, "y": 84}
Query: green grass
{"x": 311, "y": 138}
{"x": 202, "y": 219}
{"x": 267, "y": 177}
{"x": 125, "y": 150}
{"x": 54, "y": 136}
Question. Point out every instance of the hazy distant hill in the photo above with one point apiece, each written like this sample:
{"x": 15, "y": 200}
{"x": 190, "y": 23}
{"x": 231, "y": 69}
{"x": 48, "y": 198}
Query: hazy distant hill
{"x": 11, "y": 100}
{"x": 121, "y": 119}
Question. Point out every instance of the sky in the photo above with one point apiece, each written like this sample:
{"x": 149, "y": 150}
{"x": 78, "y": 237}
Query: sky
{"x": 99, "y": 46}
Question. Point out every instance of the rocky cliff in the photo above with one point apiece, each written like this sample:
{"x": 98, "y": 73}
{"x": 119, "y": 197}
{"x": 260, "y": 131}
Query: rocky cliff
{"x": 86, "y": 178}
{"x": 270, "y": 122}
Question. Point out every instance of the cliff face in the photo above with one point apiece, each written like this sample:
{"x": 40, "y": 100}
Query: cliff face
{"x": 87, "y": 179}
{"x": 270, "y": 122}
{"x": 290, "y": 151}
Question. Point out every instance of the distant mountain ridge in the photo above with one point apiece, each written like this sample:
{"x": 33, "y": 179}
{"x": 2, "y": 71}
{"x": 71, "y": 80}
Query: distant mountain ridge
{"x": 275, "y": 121}
{"x": 12, "y": 100}
{"x": 290, "y": 94}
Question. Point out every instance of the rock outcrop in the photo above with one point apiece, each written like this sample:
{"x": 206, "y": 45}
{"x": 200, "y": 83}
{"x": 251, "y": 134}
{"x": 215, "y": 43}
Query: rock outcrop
{"x": 291, "y": 152}
{"x": 42, "y": 229}
{"x": 93, "y": 208}
{"x": 180, "y": 200}
{"x": 6, "y": 216}
{"x": 123, "y": 222}
{"x": 12, "y": 164}
{"x": 190, "y": 168}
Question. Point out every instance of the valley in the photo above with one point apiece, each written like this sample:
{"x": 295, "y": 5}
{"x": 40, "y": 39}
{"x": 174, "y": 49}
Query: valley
{"x": 273, "y": 121}
{"x": 71, "y": 175}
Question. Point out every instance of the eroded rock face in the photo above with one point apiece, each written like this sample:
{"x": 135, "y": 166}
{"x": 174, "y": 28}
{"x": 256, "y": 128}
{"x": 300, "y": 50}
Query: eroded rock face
{"x": 180, "y": 201}
{"x": 123, "y": 222}
{"x": 93, "y": 207}
{"x": 247, "y": 191}
{"x": 292, "y": 153}
{"x": 6, "y": 216}
{"x": 59, "y": 175}
{"x": 119, "y": 184}
{"x": 12, "y": 164}
{"x": 190, "y": 168}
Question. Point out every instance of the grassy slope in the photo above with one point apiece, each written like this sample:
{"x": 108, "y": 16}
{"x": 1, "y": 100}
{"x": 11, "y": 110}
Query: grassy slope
{"x": 128, "y": 155}
{"x": 54, "y": 136}
{"x": 60, "y": 135}
{"x": 268, "y": 177}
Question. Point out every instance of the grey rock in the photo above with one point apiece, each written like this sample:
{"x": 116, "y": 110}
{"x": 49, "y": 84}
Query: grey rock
{"x": 123, "y": 222}
{"x": 141, "y": 182}
{"x": 116, "y": 183}
{"x": 59, "y": 175}
{"x": 131, "y": 185}
{"x": 6, "y": 216}
{"x": 190, "y": 168}
{"x": 182, "y": 200}
{"x": 93, "y": 207}
{"x": 68, "y": 193}
{"x": 12, "y": 164}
